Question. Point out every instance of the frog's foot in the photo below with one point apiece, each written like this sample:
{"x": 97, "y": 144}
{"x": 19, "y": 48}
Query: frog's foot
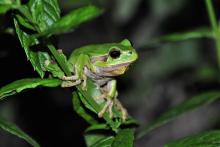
{"x": 47, "y": 62}
{"x": 107, "y": 106}
{"x": 100, "y": 97}
{"x": 122, "y": 109}
{"x": 60, "y": 51}
{"x": 70, "y": 83}
{"x": 110, "y": 110}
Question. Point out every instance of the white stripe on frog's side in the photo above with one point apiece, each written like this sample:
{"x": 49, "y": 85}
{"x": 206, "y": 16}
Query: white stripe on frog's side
{"x": 113, "y": 67}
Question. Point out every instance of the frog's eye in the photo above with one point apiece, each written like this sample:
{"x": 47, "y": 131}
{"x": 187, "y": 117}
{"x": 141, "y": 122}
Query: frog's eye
{"x": 114, "y": 53}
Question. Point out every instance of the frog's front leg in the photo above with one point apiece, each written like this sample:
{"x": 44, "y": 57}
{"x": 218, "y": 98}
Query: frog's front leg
{"x": 105, "y": 108}
{"x": 70, "y": 78}
{"x": 120, "y": 107}
{"x": 82, "y": 62}
{"x": 79, "y": 77}
{"x": 70, "y": 81}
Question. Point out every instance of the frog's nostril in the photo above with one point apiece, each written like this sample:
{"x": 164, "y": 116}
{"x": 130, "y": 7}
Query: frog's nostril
{"x": 130, "y": 52}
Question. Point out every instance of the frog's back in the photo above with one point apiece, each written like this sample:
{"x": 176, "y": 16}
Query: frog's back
{"x": 94, "y": 50}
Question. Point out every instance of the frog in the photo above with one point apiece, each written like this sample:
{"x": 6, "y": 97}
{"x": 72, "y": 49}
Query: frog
{"x": 101, "y": 63}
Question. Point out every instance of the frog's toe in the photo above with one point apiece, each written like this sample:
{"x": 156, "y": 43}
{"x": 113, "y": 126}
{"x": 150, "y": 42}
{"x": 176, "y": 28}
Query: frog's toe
{"x": 100, "y": 97}
{"x": 110, "y": 110}
{"x": 104, "y": 109}
{"x": 124, "y": 114}
{"x": 60, "y": 51}
{"x": 84, "y": 84}
{"x": 70, "y": 78}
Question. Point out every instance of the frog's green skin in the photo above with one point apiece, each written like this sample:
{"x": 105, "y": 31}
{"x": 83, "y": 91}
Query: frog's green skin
{"x": 101, "y": 63}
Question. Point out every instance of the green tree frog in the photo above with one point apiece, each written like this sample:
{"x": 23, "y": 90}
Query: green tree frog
{"x": 101, "y": 63}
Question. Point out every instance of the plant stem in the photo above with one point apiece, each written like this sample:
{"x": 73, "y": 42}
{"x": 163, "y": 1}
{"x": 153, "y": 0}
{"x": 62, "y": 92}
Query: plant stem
{"x": 59, "y": 60}
{"x": 215, "y": 29}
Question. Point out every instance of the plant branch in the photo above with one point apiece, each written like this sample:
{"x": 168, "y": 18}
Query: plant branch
{"x": 215, "y": 29}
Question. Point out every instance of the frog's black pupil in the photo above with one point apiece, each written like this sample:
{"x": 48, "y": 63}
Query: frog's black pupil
{"x": 115, "y": 54}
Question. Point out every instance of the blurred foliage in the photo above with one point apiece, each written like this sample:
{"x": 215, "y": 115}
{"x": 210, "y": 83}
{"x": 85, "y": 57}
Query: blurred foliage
{"x": 13, "y": 129}
{"x": 208, "y": 139}
{"x": 177, "y": 61}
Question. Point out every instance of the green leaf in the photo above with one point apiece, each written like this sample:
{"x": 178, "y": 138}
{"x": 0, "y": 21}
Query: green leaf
{"x": 98, "y": 139}
{"x": 72, "y": 20}
{"x": 207, "y": 139}
{"x": 4, "y": 8}
{"x": 61, "y": 60}
{"x": 13, "y": 129}
{"x": 92, "y": 138}
{"x": 2, "y": 2}
{"x": 215, "y": 28}
{"x": 53, "y": 69}
{"x": 78, "y": 107}
{"x": 182, "y": 36}
{"x": 87, "y": 98}
{"x": 44, "y": 13}
{"x": 43, "y": 57}
{"x": 27, "y": 41}
{"x": 124, "y": 138}
{"x": 105, "y": 142}
{"x": 188, "y": 105}
{"x": 206, "y": 73}
{"x": 27, "y": 16}
{"x": 20, "y": 85}
{"x": 25, "y": 22}
{"x": 195, "y": 34}
{"x": 36, "y": 62}
{"x": 97, "y": 127}
{"x": 6, "y": 5}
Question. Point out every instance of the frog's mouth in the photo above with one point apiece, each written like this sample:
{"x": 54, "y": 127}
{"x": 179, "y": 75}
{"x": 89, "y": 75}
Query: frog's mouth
{"x": 114, "y": 70}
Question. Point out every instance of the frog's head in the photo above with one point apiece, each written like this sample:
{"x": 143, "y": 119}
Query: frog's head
{"x": 117, "y": 58}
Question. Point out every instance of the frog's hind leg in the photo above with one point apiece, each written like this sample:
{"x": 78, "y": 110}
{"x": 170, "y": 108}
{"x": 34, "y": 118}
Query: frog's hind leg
{"x": 108, "y": 104}
{"x": 101, "y": 97}
{"x": 110, "y": 109}
{"x": 82, "y": 62}
{"x": 123, "y": 110}
{"x": 79, "y": 77}
{"x": 104, "y": 109}
{"x": 84, "y": 83}
{"x": 108, "y": 93}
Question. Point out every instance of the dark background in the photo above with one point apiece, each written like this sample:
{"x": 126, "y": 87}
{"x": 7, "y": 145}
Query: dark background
{"x": 164, "y": 76}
